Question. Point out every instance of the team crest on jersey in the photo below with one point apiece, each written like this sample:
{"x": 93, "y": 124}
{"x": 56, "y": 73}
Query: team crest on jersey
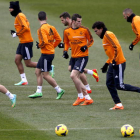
{"x": 68, "y": 34}
{"x": 81, "y": 32}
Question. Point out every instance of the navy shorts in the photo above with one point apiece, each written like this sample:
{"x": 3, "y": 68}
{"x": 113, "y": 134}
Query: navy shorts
{"x": 25, "y": 49}
{"x": 79, "y": 63}
{"x": 45, "y": 62}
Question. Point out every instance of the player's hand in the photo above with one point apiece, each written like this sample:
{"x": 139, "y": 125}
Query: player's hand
{"x": 131, "y": 47}
{"x": 37, "y": 45}
{"x": 114, "y": 64}
{"x": 65, "y": 55}
{"x": 104, "y": 68}
{"x": 13, "y": 33}
{"x": 61, "y": 45}
{"x": 84, "y": 48}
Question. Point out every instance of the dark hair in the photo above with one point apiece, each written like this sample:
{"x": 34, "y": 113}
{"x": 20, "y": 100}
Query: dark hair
{"x": 75, "y": 16}
{"x": 42, "y": 15}
{"x": 65, "y": 15}
{"x": 98, "y": 25}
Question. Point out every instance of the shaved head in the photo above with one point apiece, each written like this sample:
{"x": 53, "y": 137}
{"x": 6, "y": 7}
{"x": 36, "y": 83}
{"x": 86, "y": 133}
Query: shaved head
{"x": 128, "y": 14}
{"x": 128, "y": 11}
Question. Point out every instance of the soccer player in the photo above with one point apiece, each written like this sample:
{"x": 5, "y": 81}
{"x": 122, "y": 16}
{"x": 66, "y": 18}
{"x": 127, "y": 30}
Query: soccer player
{"x": 135, "y": 23}
{"x": 66, "y": 20}
{"x": 11, "y": 96}
{"x": 79, "y": 39}
{"x": 115, "y": 65}
{"x": 24, "y": 50}
{"x": 48, "y": 41}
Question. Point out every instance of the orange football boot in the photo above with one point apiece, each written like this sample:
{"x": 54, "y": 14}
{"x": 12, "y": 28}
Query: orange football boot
{"x": 78, "y": 101}
{"x": 87, "y": 102}
{"x": 117, "y": 107}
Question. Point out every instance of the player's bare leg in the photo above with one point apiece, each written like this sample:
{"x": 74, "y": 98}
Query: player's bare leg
{"x": 29, "y": 63}
{"x": 75, "y": 77}
{"x": 53, "y": 83}
{"x": 18, "y": 61}
{"x": 49, "y": 79}
{"x": 69, "y": 68}
{"x": 11, "y": 96}
{"x": 39, "y": 77}
{"x": 82, "y": 93}
{"x": 83, "y": 78}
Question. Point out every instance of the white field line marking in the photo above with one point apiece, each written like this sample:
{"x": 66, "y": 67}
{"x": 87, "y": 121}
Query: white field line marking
{"x": 51, "y": 129}
{"x": 49, "y": 86}
{"x": 27, "y": 86}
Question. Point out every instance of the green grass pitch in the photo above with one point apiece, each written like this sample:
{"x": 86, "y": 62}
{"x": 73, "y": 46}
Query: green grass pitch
{"x": 36, "y": 119}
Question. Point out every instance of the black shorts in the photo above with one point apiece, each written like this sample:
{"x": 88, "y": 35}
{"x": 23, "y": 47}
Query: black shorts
{"x": 79, "y": 63}
{"x": 25, "y": 49}
{"x": 45, "y": 62}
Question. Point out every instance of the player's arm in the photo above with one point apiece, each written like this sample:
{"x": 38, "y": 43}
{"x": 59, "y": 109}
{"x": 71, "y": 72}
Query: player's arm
{"x": 43, "y": 40}
{"x": 66, "y": 46}
{"x": 66, "y": 42}
{"x": 23, "y": 23}
{"x": 111, "y": 39}
{"x": 137, "y": 39}
{"x": 57, "y": 38}
{"x": 90, "y": 41}
{"x": 114, "y": 43}
{"x": 137, "y": 32}
{"x": 89, "y": 38}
